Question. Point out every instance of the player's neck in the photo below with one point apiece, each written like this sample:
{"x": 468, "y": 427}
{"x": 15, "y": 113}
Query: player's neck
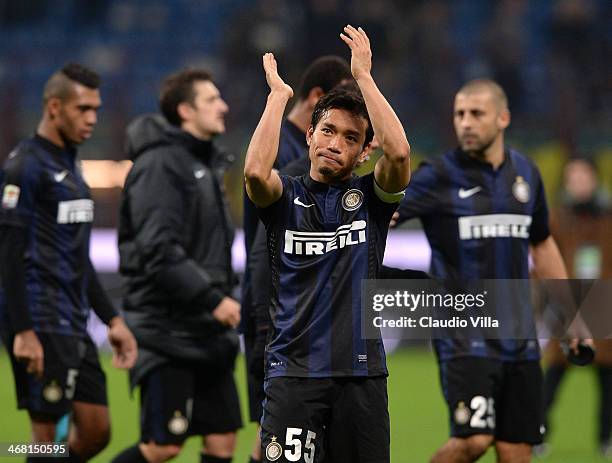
{"x": 321, "y": 178}
{"x": 47, "y": 130}
{"x": 495, "y": 153}
{"x": 300, "y": 115}
{"x": 194, "y": 132}
{"x": 492, "y": 154}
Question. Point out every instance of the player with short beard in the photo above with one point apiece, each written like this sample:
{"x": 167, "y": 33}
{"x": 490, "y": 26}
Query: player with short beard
{"x": 484, "y": 212}
{"x": 48, "y": 280}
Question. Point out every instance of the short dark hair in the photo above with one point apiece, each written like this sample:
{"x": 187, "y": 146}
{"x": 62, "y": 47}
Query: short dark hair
{"x": 82, "y": 75}
{"x": 478, "y": 85}
{"x": 59, "y": 85}
{"x": 178, "y": 88}
{"x": 325, "y": 72}
{"x": 347, "y": 100}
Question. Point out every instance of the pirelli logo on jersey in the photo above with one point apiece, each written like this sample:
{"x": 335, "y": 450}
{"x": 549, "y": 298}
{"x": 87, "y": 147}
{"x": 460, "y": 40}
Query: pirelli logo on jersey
{"x": 76, "y": 211}
{"x": 476, "y": 227}
{"x": 316, "y": 243}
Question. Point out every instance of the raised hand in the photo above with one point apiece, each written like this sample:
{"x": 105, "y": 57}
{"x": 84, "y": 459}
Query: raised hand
{"x": 275, "y": 82}
{"x": 361, "y": 54}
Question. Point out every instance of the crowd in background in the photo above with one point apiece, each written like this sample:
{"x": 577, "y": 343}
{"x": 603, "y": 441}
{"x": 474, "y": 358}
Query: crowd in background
{"x": 549, "y": 55}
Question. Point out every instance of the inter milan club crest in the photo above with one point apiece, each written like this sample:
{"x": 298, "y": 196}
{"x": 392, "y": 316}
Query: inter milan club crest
{"x": 462, "y": 414}
{"x": 352, "y": 200}
{"x": 52, "y": 392}
{"x": 273, "y": 450}
{"x": 178, "y": 424}
{"x": 520, "y": 190}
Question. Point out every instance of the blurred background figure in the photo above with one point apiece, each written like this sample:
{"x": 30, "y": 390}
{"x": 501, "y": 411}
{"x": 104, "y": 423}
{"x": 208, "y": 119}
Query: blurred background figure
{"x": 582, "y": 225}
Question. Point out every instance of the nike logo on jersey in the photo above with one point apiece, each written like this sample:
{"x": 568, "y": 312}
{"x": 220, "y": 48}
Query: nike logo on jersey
{"x": 199, "y": 173}
{"x": 463, "y": 193}
{"x": 59, "y": 176}
{"x": 318, "y": 243}
{"x": 297, "y": 202}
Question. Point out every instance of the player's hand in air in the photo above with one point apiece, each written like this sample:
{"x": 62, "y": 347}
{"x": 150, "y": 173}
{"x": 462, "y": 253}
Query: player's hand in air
{"x": 227, "y": 312}
{"x": 361, "y": 54}
{"x": 125, "y": 349}
{"x": 275, "y": 82}
{"x": 28, "y": 349}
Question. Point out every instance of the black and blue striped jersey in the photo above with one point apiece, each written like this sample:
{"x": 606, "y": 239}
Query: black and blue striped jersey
{"x": 323, "y": 240}
{"x": 44, "y": 195}
{"x": 479, "y": 223}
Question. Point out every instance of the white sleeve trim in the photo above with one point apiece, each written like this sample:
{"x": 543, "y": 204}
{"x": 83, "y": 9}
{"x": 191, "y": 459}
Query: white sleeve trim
{"x": 387, "y": 197}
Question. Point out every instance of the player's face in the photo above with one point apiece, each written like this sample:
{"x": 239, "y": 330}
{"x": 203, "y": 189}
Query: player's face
{"x": 76, "y": 117}
{"x": 336, "y": 145}
{"x": 207, "y": 117}
{"x": 479, "y": 121}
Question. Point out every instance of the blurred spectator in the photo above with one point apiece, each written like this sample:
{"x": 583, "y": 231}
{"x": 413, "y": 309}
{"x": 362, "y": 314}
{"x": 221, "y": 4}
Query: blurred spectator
{"x": 504, "y": 48}
{"x": 582, "y": 226}
{"x": 575, "y": 63}
{"x": 550, "y": 56}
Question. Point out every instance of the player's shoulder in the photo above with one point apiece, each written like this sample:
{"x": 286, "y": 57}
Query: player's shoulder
{"x": 26, "y": 155}
{"x": 521, "y": 161}
{"x": 292, "y": 183}
{"x": 166, "y": 159}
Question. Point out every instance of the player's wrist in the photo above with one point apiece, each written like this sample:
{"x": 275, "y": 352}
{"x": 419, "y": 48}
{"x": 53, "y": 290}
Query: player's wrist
{"x": 364, "y": 77}
{"x": 280, "y": 94}
{"x": 115, "y": 321}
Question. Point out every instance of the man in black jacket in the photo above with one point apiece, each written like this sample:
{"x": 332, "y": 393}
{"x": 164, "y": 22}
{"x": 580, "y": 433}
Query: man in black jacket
{"x": 175, "y": 241}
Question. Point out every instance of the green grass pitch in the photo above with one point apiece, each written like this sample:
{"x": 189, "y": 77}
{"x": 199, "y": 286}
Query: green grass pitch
{"x": 418, "y": 415}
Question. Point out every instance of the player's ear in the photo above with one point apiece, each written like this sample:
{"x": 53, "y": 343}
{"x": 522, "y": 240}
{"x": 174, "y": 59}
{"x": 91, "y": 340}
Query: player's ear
{"x": 503, "y": 119}
{"x": 53, "y": 107}
{"x": 309, "y": 133}
{"x": 185, "y": 110}
{"x": 314, "y": 95}
{"x": 365, "y": 154}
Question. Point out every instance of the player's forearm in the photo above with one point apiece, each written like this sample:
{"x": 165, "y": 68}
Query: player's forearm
{"x": 263, "y": 147}
{"x": 98, "y": 299}
{"x": 387, "y": 126}
{"x": 547, "y": 260}
{"x": 12, "y": 272}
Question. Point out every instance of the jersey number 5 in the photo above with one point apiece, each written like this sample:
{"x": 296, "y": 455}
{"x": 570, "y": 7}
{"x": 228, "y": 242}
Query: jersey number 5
{"x": 292, "y": 440}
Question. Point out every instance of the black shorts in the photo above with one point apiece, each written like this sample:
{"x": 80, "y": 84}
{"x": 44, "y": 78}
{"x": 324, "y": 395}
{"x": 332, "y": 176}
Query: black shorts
{"x": 71, "y": 372}
{"x": 487, "y": 396}
{"x": 254, "y": 383}
{"x": 327, "y": 419}
{"x": 178, "y": 401}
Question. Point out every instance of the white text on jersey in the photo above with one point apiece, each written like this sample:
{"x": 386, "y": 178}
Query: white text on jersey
{"x": 494, "y": 226}
{"x": 312, "y": 243}
{"x": 76, "y": 211}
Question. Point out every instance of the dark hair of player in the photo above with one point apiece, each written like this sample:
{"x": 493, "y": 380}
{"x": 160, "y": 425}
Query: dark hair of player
{"x": 60, "y": 84}
{"x": 82, "y": 75}
{"x": 178, "y": 88}
{"x": 325, "y": 72}
{"x": 347, "y": 100}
